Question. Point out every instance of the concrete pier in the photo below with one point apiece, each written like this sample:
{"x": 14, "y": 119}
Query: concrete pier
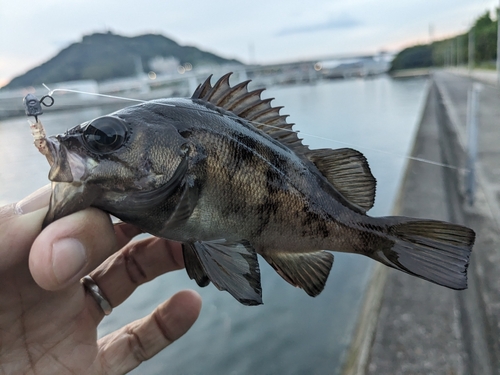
{"x": 423, "y": 328}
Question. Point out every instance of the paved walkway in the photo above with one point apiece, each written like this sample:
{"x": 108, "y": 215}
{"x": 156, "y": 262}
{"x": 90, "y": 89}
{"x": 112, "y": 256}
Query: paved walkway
{"x": 483, "y": 217}
{"x": 481, "y": 75}
{"x": 424, "y": 328}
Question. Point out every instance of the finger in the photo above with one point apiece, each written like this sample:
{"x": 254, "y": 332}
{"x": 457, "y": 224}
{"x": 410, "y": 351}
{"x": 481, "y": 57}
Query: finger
{"x": 125, "y": 232}
{"x": 33, "y": 202}
{"x": 137, "y": 263}
{"x": 71, "y": 247}
{"x": 16, "y": 237}
{"x": 138, "y": 341}
{"x": 20, "y": 223}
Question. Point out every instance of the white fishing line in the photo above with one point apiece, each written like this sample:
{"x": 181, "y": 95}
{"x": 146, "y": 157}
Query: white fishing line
{"x": 422, "y": 160}
{"x": 51, "y": 92}
{"x": 367, "y": 148}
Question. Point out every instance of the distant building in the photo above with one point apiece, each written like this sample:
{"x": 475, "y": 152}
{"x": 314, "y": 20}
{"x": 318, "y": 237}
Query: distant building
{"x": 359, "y": 67}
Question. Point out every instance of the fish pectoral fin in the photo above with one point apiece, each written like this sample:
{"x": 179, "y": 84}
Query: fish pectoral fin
{"x": 185, "y": 207}
{"x": 308, "y": 271}
{"x": 230, "y": 266}
{"x": 143, "y": 200}
{"x": 193, "y": 265}
{"x": 348, "y": 171}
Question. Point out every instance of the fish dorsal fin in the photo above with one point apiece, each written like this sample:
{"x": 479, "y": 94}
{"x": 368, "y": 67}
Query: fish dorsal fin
{"x": 345, "y": 168}
{"x": 308, "y": 271}
{"x": 249, "y": 106}
{"x": 348, "y": 171}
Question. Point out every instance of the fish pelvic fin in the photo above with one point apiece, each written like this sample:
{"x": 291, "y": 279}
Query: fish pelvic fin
{"x": 230, "y": 266}
{"x": 193, "y": 265}
{"x": 308, "y": 271}
{"x": 432, "y": 250}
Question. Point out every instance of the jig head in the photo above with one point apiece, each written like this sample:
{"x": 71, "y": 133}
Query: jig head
{"x": 33, "y": 107}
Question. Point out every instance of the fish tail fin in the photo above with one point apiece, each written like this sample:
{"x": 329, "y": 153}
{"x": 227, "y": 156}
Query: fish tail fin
{"x": 432, "y": 250}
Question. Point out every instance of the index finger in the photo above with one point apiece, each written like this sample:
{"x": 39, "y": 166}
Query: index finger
{"x": 125, "y": 232}
{"x": 33, "y": 202}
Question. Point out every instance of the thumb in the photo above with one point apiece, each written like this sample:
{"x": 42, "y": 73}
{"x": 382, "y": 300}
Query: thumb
{"x": 20, "y": 223}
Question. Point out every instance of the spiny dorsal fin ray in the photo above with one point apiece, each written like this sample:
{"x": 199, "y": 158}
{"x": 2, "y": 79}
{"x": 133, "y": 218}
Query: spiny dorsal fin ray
{"x": 263, "y": 106}
{"x": 234, "y": 94}
{"x": 219, "y": 91}
{"x": 246, "y": 101}
{"x": 308, "y": 271}
{"x": 202, "y": 89}
{"x": 348, "y": 171}
{"x": 249, "y": 105}
{"x": 262, "y": 115}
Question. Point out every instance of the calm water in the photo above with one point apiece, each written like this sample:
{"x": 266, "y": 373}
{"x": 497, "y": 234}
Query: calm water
{"x": 291, "y": 333}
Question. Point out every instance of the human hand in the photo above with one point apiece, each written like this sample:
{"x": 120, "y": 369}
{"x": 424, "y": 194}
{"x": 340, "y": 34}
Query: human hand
{"x": 48, "y": 322}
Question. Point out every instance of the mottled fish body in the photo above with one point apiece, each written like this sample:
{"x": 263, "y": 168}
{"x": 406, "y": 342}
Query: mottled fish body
{"x": 223, "y": 173}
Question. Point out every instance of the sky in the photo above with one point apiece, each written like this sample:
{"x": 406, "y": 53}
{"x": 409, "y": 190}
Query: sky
{"x": 256, "y": 31}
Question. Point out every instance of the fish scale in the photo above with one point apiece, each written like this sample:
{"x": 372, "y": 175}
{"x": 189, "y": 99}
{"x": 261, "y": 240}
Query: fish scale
{"x": 223, "y": 173}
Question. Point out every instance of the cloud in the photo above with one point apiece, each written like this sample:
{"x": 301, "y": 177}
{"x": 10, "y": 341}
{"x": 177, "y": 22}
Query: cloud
{"x": 333, "y": 23}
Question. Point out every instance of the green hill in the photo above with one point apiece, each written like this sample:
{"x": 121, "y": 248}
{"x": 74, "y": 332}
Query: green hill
{"x": 104, "y": 56}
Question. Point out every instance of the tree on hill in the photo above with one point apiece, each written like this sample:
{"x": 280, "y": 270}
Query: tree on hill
{"x": 105, "y": 56}
{"x": 413, "y": 57}
{"x": 485, "y": 31}
{"x": 454, "y": 50}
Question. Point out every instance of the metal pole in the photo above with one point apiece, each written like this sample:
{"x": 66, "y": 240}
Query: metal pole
{"x": 471, "y": 49}
{"x": 498, "y": 45}
{"x": 452, "y": 53}
{"x": 459, "y": 50}
{"x": 472, "y": 129}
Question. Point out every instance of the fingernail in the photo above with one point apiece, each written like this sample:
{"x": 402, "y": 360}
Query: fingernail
{"x": 68, "y": 259}
{"x": 34, "y": 201}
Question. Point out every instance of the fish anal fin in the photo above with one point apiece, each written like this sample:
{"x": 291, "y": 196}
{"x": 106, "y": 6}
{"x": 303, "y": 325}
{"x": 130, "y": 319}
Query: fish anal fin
{"x": 348, "y": 171}
{"x": 230, "y": 266}
{"x": 308, "y": 271}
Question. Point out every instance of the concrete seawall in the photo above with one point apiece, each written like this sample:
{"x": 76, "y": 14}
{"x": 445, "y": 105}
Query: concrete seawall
{"x": 408, "y": 325}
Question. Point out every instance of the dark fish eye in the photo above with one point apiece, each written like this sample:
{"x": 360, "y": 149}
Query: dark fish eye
{"x": 105, "y": 134}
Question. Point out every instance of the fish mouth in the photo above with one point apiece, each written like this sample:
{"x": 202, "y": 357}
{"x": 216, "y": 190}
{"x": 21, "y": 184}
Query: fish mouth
{"x": 65, "y": 166}
{"x": 67, "y": 173}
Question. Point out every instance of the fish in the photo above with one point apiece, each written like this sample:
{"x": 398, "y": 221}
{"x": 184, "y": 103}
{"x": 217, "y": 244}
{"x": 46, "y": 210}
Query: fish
{"x": 224, "y": 173}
